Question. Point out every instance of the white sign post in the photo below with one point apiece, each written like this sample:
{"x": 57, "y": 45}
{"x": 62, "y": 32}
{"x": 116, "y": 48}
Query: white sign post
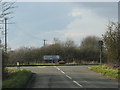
{"x": 18, "y": 65}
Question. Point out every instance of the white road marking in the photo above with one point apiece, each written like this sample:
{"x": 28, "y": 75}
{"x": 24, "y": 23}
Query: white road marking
{"x": 86, "y": 81}
{"x": 77, "y": 83}
{"x": 68, "y": 77}
{"x": 58, "y": 68}
{"x": 41, "y": 66}
{"x": 62, "y": 72}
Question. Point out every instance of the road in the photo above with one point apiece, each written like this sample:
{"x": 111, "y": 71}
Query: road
{"x": 68, "y": 77}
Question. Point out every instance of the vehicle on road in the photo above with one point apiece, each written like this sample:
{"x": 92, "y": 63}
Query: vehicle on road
{"x": 61, "y": 62}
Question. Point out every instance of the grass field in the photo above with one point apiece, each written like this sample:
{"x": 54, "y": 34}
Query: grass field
{"x": 106, "y": 71}
{"x": 17, "y": 78}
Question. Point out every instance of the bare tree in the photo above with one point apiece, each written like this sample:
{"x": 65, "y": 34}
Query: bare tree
{"x": 6, "y": 9}
{"x": 89, "y": 48}
{"x": 112, "y": 43}
{"x": 5, "y": 12}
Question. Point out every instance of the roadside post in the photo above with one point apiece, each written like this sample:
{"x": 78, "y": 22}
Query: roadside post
{"x": 1, "y": 69}
{"x": 18, "y": 65}
{"x": 100, "y": 42}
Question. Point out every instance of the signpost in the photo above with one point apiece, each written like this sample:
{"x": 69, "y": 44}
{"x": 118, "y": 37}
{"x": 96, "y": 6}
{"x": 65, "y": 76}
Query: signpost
{"x": 51, "y": 57}
{"x": 18, "y": 65}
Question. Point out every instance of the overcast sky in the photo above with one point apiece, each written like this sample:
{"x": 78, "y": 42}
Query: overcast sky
{"x": 35, "y": 21}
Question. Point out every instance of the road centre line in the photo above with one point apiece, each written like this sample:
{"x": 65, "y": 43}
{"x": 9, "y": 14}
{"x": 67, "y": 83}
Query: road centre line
{"x": 77, "y": 83}
{"x": 68, "y": 77}
{"x": 57, "y": 68}
{"x": 62, "y": 72}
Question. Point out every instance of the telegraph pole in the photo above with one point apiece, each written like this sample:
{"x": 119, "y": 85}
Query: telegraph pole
{"x": 44, "y": 42}
{"x": 5, "y": 34}
{"x": 0, "y": 43}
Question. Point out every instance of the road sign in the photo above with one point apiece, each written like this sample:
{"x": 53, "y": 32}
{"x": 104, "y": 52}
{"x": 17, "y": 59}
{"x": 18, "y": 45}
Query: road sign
{"x": 51, "y": 57}
{"x": 100, "y": 43}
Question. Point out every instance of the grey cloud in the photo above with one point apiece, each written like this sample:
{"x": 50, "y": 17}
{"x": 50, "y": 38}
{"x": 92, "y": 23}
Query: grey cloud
{"x": 104, "y": 9}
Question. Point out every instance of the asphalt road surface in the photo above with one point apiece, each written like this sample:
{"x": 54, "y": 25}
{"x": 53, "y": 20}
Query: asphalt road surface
{"x": 68, "y": 77}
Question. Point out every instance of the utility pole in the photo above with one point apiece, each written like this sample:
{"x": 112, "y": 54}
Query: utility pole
{"x": 5, "y": 34}
{"x": 44, "y": 42}
{"x": 0, "y": 43}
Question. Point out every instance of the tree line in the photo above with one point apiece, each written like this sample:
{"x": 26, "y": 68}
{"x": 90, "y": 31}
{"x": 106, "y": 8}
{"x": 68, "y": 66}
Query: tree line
{"x": 88, "y": 51}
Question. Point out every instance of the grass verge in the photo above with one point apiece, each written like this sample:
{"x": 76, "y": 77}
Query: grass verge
{"x": 48, "y": 64}
{"x": 106, "y": 71}
{"x": 17, "y": 78}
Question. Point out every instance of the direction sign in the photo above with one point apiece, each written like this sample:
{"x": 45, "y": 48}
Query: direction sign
{"x": 51, "y": 57}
